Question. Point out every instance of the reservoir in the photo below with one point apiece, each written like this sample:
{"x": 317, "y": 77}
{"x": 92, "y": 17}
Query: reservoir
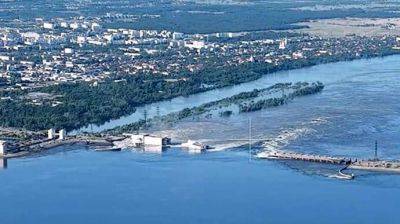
{"x": 360, "y": 104}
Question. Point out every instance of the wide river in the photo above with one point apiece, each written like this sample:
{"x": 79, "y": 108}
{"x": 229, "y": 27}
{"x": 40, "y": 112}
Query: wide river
{"x": 360, "y": 104}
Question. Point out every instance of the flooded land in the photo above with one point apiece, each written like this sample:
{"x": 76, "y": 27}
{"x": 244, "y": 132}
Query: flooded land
{"x": 199, "y": 111}
{"x": 358, "y": 105}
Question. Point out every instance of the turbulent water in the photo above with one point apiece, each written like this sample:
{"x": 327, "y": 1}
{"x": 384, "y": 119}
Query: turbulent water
{"x": 359, "y": 104}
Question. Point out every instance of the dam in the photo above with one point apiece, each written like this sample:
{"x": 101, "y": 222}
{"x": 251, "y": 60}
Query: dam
{"x": 371, "y": 165}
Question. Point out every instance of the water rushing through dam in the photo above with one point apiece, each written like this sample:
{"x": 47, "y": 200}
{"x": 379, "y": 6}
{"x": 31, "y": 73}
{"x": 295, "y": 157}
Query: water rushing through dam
{"x": 360, "y": 104}
{"x": 329, "y": 74}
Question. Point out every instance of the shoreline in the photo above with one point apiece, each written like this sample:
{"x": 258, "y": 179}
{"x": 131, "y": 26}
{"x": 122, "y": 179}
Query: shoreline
{"x": 86, "y": 128}
{"x": 382, "y": 166}
{"x": 45, "y": 146}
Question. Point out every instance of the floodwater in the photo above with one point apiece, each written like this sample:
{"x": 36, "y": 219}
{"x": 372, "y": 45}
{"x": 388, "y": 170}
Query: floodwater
{"x": 360, "y": 104}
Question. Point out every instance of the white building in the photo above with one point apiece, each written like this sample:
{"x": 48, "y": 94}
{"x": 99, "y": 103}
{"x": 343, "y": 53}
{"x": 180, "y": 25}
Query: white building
{"x": 30, "y": 38}
{"x": 95, "y": 27}
{"x": 195, "y": 44}
{"x": 177, "y": 36}
{"x": 4, "y": 58}
{"x": 51, "y": 133}
{"x": 153, "y": 141}
{"x": 69, "y": 64}
{"x": 283, "y": 44}
{"x": 140, "y": 140}
{"x": 80, "y": 40}
{"x": 68, "y": 51}
{"x": 3, "y": 148}
{"x": 49, "y": 26}
{"x": 74, "y": 26}
{"x": 297, "y": 55}
{"x": 61, "y": 134}
{"x": 64, "y": 24}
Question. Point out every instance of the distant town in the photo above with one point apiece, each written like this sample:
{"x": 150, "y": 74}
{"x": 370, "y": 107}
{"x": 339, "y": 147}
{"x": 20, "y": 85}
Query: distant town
{"x": 199, "y": 111}
{"x": 53, "y": 69}
{"x": 39, "y": 53}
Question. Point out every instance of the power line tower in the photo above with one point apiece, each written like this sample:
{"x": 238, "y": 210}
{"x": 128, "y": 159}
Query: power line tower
{"x": 145, "y": 118}
{"x": 158, "y": 111}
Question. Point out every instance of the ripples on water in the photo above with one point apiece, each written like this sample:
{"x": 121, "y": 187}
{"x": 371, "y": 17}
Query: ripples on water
{"x": 360, "y": 103}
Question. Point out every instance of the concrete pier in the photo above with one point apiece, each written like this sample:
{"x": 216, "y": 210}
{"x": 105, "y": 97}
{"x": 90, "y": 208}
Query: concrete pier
{"x": 372, "y": 165}
{"x": 303, "y": 157}
{"x": 26, "y": 148}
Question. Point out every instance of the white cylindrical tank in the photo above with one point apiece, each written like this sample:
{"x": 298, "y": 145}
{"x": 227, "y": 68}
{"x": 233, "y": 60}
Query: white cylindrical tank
{"x": 61, "y": 134}
{"x": 3, "y": 148}
{"x": 50, "y": 133}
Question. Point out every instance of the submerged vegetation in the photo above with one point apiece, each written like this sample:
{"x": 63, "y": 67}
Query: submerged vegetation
{"x": 301, "y": 90}
{"x": 261, "y": 104}
{"x": 254, "y": 100}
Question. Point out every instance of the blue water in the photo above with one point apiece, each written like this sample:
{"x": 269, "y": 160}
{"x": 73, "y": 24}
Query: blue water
{"x": 360, "y": 103}
{"x": 341, "y": 73}
{"x": 83, "y": 186}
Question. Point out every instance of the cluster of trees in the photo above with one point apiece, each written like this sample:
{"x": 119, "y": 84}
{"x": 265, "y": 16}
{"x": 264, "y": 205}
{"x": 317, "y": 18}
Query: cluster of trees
{"x": 261, "y": 104}
{"x": 301, "y": 89}
{"x": 263, "y": 15}
{"x": 308, "y": 89}
{"x": 84, "y": 104}
{"x": 179, "y": 16}
{"x": 226, "y": 113}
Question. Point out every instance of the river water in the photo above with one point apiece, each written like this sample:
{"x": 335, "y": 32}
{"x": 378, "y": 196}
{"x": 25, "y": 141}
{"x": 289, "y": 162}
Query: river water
{"x": 360, "y": 104}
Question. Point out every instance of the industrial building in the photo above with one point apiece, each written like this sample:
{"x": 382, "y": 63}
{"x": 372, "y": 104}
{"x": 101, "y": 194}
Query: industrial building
{"x": 141, "y": 140}
{"x": 51, "y": 134}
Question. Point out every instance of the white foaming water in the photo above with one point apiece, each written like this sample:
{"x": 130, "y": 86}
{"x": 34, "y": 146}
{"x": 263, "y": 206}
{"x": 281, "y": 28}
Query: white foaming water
{"x": 286, "y": 136}
{"x": 226, "y": 146}
{"x": 270, "y": 141}
{"x": 124, "y": 144}
{"x": 234, "y": 136}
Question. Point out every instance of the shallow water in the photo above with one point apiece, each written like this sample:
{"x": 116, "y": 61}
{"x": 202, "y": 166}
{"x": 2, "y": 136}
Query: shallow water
{"x": 360, "y": 104}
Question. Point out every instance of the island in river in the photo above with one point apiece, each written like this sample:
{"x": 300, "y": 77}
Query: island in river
{"x": 359, "y": 103}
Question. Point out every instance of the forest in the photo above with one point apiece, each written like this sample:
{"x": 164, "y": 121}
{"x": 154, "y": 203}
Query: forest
{"x": 83, "y": 104}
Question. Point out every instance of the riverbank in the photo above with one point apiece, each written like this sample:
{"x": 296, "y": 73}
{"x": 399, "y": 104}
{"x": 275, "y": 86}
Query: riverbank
{"x": 350, "y": 89}
{"x": 244, "y": 102}
{"x": 27, "y": 149}
{"x": 73, "y": 113}
{"x": 321, "y": 72}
